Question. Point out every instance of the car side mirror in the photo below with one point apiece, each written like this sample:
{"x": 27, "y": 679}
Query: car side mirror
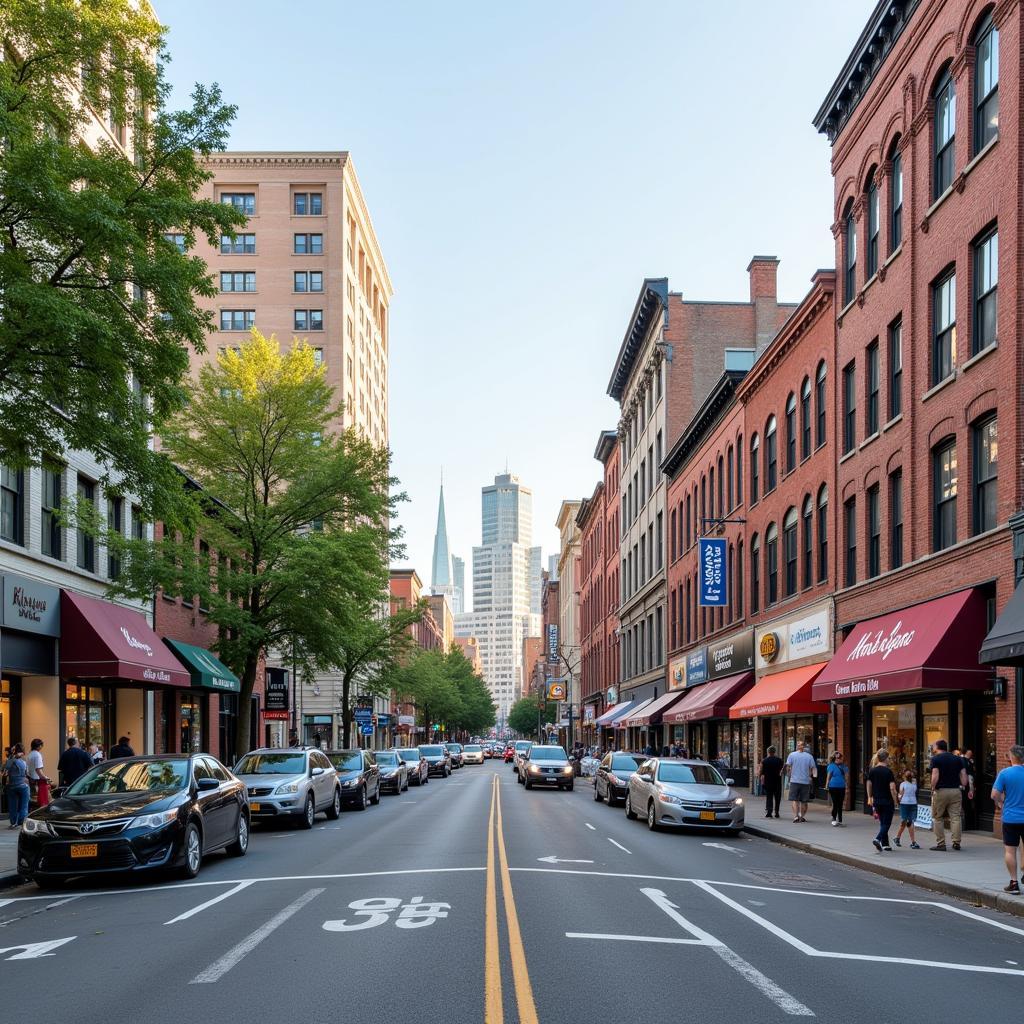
{"x": 730, "y": 782}
{"x": 206, "y": 785}
{"x": 316, "y": 771}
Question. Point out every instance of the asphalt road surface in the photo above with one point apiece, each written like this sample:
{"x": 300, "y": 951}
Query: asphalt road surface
{"x": 472, "y": 900}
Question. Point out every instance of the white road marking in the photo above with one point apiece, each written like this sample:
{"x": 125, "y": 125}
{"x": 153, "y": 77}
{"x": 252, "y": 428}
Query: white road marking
{"x": 561, "y": 860}
{"x": 619, "y": 845}
{"x": 768, "y": 988}
{"x": 634, "y": 938}
{"x": 60, "y": 903}
{"x": 209, "y": 903}
{"x": 32, "y": 950}
{"x": 217, "y": 970}
{"x": 723, "y": 846}
{"x": 591, "y": 827}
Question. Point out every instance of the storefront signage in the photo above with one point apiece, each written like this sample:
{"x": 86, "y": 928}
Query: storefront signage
{"x": 806, "y": 636}
{"x": 588, "y": 714}
{"x": 711, "y": 555}
{"x": 556, "y": 691}
{"x": 553, "y": 643}
{"x": 731, "y": 657}
{"x": 31, "y": 607}
{"x": 697, "y": 667}
{"x": 677, "y": 674}
{"x": 809, "y": 636}
{"x": 276, "y": 694}
{"x": 156, "y": 675}
{"x": 612, "y": 697}
{"x": 768, "y": 648}
{"x": 135, "y": 643}
{"x": 871, "y": 644}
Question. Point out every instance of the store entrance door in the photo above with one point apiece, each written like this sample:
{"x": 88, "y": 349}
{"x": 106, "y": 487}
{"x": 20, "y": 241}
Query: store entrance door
{"x": 986, "y": 764}
{"x": 191, "y": 722}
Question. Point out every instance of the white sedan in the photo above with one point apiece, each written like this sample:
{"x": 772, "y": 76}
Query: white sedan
{"x": 472, "y": 753}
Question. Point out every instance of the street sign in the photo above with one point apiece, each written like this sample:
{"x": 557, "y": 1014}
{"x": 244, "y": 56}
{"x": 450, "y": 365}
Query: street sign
{"x": 711, "y": 557}
{"x": 553, "y": 643}
{"x": 363, "y": 715}
{"x": 366, "y": 730}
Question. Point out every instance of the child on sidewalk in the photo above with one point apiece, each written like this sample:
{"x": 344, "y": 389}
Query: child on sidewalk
{"x": 908, "y": 809}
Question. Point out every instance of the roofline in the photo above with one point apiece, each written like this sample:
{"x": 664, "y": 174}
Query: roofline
{"x": 605, "y": 445}
{"x": 653, "y": 290}
{"x": 703, "y": 420}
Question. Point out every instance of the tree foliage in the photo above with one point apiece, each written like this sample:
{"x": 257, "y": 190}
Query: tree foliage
{"x": 96, "y": 307}
{"x": 444, "y": 689}
{"x": 523, "y": 716}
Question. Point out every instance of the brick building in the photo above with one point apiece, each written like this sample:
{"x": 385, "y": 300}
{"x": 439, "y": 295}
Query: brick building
{"x": 924, "y": 123}
{"x": 591, "y": 522}
{"x": 533, "y": 653}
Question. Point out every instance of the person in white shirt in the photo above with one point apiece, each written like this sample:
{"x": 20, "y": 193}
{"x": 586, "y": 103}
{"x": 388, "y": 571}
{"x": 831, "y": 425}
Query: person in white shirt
{"x": 908, "y": 808}
{"x": 801, "y": 768}
{"x": 37, "y": 779}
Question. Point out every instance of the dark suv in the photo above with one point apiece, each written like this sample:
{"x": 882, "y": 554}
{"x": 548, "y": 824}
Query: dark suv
{"x": 439, "y": 760}
{"x": 359, "y": 777}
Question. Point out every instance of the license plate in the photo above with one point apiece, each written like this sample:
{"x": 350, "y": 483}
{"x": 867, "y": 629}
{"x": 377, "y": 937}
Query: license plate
{"x": 85, "y": 850}
{"x": 707, "y": 815}
{"x": 254, "y": 807}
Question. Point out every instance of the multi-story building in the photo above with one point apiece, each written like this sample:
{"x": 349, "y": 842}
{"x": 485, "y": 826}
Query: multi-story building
{"x": 459, "y": 583}
{"x": 926, "y": 141}
{"x": 569, "y": 606}
{"x": 441, "y": 611}
{"x": 471, "y": 649}
{"x": 533, "y": 652}
{"x": 607, "y": 453}
{"x": 590, "y": 520}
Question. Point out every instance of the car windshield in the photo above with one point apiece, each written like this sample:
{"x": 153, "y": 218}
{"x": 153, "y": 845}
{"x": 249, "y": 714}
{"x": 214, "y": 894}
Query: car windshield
{"x": 347, "y": 760}
{"x": 410, "y": 755}
{"x": 547, "y": 754}
{"x": 132, "y": 777}
{"x": 386, "y": 757}
{"x": 523, "y": 745}
{"x": 473, "y": 748}
{"x": 432, "y": 751}
{"x": 271, "y": 764}
{"x": 692, "y": 774}
{"x": 625, "y": 763}
{"x": 454, "y": 747}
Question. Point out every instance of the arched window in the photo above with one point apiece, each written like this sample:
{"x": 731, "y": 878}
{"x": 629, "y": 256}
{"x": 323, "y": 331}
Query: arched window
{"x": 689, "y": 522}
{"x": 755, "y": 575}
{"x": 822, "y": 534}
{"x": 849, "y": 255}
{"x": 721, "y": 489}
{"x": 791, "y": 433}
{"x": 945, "y": 478}
{"x": 688, "y": 601}
{"x": 672, "y": 549}
{"x": 808, "y": 520}
{"x": 895, "y": 196}
{"x": 871, "y": 255}
{"x": 819, "y": 404}
{"x": 739, "y": 469}
{"x": 771, "y": 455}
{"x": 711, "y": 493}
{"x": 730, "y": 489}
{"x": 805, "y": 418}
{"x": 789, "y": 551}
{"x": 986, "y": 83}
{"x": 944, "y": 97}
{"x": 771, "y": 552}
{"x": 755, "y": 452}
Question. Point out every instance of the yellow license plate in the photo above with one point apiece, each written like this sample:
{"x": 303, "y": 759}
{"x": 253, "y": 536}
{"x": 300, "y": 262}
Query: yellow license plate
{"x": 254, "y": 807}
{"x": 707, "y": 815}
{"x": 84, "y": 850}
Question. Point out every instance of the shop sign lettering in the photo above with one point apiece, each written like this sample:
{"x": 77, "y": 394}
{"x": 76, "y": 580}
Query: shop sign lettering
{"x": 871, "y": 644}
{"x": 29, "y": 606}
{"x": 135, "y": 643}
{"x": 156, "y": 675}
{"x": 856, "y": 687}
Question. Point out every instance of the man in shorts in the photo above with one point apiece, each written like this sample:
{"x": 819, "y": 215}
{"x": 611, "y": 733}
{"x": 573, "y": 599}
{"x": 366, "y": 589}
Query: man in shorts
{"x": 801, "y": 768}
{"x": 1008, "y": 795}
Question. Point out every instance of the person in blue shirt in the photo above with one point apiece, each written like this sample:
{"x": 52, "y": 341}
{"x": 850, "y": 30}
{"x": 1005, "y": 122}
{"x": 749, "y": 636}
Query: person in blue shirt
{"x": 836, "y": 777}
{"x": 1008, "y": 795}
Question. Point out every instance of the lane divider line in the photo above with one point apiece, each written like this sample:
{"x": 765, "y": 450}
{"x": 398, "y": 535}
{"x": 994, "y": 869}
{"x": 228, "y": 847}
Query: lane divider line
{"x": 591, "y": 827}
{"x": 494, "y": 1012}
{"x": 209, "y": 903}
{"x": 634, "y": 938}
{"x": 619, "y": 845}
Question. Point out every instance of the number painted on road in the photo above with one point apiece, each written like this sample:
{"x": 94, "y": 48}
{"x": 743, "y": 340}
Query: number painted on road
{"x": 377, "y": 910}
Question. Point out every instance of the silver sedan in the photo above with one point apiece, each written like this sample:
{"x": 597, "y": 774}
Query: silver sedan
{"x": 671, "y": 792}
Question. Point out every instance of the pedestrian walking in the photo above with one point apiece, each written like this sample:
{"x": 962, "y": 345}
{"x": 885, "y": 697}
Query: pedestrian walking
{"x": 1008, "y": 795}
{"x": 908, "y": 809}
{"x": 802, "y": 770}
{"x": 37, "y": 779}
{"x": 967, "y": 793}
{"x": 770, "y": 774}
{"x": 949, "y": 777}
{"x": 835, "y": 782}
{"x": 122, "y": 748}
{"x": 882, "y": 796}
{"x": 16, "y": 773}
{"x": 73, "y": 763}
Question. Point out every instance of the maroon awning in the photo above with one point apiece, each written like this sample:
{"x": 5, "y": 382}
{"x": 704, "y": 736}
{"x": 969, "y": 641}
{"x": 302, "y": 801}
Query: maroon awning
{"x": 929, "y": 646}
{"x": 100, "y": 640}
{"x": 712, "y": 700}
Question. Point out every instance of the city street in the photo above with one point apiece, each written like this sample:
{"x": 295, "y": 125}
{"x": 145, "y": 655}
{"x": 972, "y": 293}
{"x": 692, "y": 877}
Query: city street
{"x": 473, "y": 900}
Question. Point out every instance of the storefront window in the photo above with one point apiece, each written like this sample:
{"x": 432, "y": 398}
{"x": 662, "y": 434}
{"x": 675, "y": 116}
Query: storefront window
{"x": 6, "y": 709}
{"x": 227, "y": 728}
{"x": 934, "y": 726}
{"x": 191, "y": 723}
{"x": 88, "y": 713}
{"x": 317, "y": 730}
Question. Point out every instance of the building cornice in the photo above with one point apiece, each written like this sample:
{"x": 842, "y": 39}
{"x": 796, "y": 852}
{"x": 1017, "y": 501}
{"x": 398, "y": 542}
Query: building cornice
{"x": 605, "y": 445}
{"x": 269, "y": 158}
{"x": 653, "y": 298}
{"x": 704, "y": 421}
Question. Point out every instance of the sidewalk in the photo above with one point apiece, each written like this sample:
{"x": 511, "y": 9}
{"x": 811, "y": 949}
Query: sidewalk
{"x": 8, "y": 854}
{"x": 975, "y": 874}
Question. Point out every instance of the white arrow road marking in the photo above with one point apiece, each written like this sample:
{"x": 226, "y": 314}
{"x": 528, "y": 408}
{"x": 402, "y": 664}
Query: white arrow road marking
{"x": 209, "y": 903}
{"x": 723, "y": 846}
{"x": 32, "y": 950}
{"x": 619, "y": 845}
{"x": 560, "y": 860}
{"x": 768, "y": 988}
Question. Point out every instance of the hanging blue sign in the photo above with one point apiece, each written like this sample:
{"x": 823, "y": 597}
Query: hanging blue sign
{"x": 711, "y": 555}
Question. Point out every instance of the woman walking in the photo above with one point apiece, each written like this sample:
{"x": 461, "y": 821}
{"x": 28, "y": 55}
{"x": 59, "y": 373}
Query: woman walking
{"x": 908, "y": 809}
{"x": 881, "y": 786}
{"x": 37, "y": 779}
{"x": 835, "y": 783}
{"x": 16, "y": 771}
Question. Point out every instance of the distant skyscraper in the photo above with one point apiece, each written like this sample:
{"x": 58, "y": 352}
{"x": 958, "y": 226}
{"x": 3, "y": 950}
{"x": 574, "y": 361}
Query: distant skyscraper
{"x": 535, "y": 579}
{"x": 553, "y": 567}
{"x": 459, "y": 581}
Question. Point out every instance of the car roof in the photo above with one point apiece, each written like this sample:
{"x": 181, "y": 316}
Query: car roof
{"x": 278, "y": 750}
{"x": 547, "y": 746}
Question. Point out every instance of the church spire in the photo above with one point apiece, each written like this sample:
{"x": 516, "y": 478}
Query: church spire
{"x": 441, "y": 569}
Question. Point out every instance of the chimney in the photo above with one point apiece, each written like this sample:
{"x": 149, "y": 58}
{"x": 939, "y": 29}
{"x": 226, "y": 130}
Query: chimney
{"x": 763, "y": 271}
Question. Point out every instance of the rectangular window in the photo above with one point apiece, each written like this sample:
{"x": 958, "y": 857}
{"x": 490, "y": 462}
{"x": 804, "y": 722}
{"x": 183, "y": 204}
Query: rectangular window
{"x": 986, "y": 473}
{"x": 115, "y": 524}
{"x": 755, "y": 579}
{"x": 986, "y": 85}
{"x": 873, "y": 228}
{"x": 771, "y": 550}
{"x": 896, "y": 184}
{"x": 895, "y": 368}
{"x": 986, "y": 292}
{"x": 176, "y": 239}
{"x": 86, "y": 546}
{"x": 850, "y": 528}
{"x": 240, "y": 245}
{"x": 307, "y": 204}
{"x": 849, "y": 407}
{"x": 238, "y": 281}
{"x": 309, "y": 320}
{"x": 822, "y": 538}
{"x": 874, "y": 525}
{"x": 52, "y": 490}
{"x": 871, "y": 386}
{"x": 808, "y": 523}
{"x": 660, "y": 541}
{"x": 237, "y": 319}
{"x": 945, "y": 135}
{"x": 244, "y": 201}
{"x": 138, "y": 523}
{"x": 896, "y": 519}
{"x": 790, "y": 556}
{"x": 308, "y": 245}
{"x": 944, "y": 327}
{"x": 945, "y": 484}
{"x": 308, "y": 280}
{"x": 12, "y": 504}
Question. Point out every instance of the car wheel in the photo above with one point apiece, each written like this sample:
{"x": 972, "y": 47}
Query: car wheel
{"x": 630, "y": 813}
{"x": 334, "y": 811}
{"x": 528, "y": 784}
{"x": 375, "y": 799}
{"x": 570, "y": 787}
{"x": 361, "y": 801}
{"x": 241, "y": 844}
{"x": 308, "y": 813}
{"x": 597, "y": 794}
{"x": 652, "y": 817}
{"x": 193, "y": 847}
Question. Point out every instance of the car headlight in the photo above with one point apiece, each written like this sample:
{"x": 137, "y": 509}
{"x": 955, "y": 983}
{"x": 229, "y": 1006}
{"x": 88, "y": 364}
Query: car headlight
{"x": 33, "y": 826}
{"x": 533, "y": 768}
{"x": 615, "y": 780}
{"x": 349, "y": 783}
{"x": 156, "y": 820}
{"x": 668, "y": 798}
{"x": 288, "y": 787}
{"x": 389, "y": 775}
{"x": 738, "y": 801}
{"x": 567, "y": 770}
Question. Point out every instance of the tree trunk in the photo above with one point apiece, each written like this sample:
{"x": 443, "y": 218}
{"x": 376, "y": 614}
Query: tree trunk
{"x": 248, "y": 681}
{"x": 346, "y": 710}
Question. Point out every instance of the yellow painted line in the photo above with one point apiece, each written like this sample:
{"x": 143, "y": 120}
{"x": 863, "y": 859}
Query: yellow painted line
{"x": 493, "y": 1010}
{"x": 520, "y": 975}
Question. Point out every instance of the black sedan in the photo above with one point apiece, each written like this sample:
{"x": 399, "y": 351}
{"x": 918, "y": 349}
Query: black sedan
{"x": 137, "y": 814}
{"x": 419, "y": 770}
{"x": 394, "y": 772}
{"x": 359, "y": 777}
{"x": 438, "y": 758}
{"x": 611, "y": 782}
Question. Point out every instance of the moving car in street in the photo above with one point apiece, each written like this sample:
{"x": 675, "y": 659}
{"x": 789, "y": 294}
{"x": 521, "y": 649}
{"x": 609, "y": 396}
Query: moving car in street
{"x": 289, "y": 783}
{"x": 611, "y": 780}
{"x": 668, "y": 791}
{"x": 394, "y": 772}
{"x": 455, "y": 750}
{"x": 472, "y": 753}
{"x": 546, "y": 766}
{"x": 137, "y": 814}
{"x": 419, "y": 770}
{"x": 359, "y": 776}
{"x": 519, "y": 748}
{"x": 439, "y": 761}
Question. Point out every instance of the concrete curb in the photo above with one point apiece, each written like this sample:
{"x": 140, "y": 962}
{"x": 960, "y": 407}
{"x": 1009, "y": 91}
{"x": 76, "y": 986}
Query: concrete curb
{"x": 968, "y": 893}
{"x": 6, "y": 881}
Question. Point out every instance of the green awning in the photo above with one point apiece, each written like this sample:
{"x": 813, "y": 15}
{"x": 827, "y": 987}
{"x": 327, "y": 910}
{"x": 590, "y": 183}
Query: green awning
{"x": 207, "y": 670}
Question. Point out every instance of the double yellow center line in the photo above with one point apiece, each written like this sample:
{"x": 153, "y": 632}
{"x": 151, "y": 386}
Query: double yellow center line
{"x": 494, "y": 1012}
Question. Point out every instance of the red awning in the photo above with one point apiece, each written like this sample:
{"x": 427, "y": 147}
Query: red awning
{"x": 784, "y": 693}
{"x": 652, "y": 713}
{"x": 712, "y": 700}
{"x": 100, "y": 640}
{"x": 929, "y": 646}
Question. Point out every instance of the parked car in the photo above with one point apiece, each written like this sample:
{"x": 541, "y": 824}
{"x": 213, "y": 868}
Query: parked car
{"x": 419, "y": 770}
{"x": 137, "y": 814}
{"x": 546, "y": 766}
{"x": 489, "y": 750}
{"x": 613, "y": 774}
{"x": 472, "y": 753}
{"x": 394, "y": 772}
{"x": 455, "y": 750}
{"x": 684, "y": 793}
{"x": 519, "y": 748}
{"x": 439, "y": 761}
{"x": 289, "y": 783}
{"x": 359, "y": 775}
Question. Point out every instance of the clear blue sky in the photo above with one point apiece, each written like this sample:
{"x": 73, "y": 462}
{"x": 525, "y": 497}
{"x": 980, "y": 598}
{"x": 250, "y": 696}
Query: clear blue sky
{"x": 526, "y": 165}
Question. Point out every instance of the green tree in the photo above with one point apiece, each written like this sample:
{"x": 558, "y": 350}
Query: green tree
{"x": 477, "y": 711}
{"x": 523, "y": 716}
{"x": 423, "y": 680}
{"x": 97, "y": 308}
{"x": 295, "y": 516}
